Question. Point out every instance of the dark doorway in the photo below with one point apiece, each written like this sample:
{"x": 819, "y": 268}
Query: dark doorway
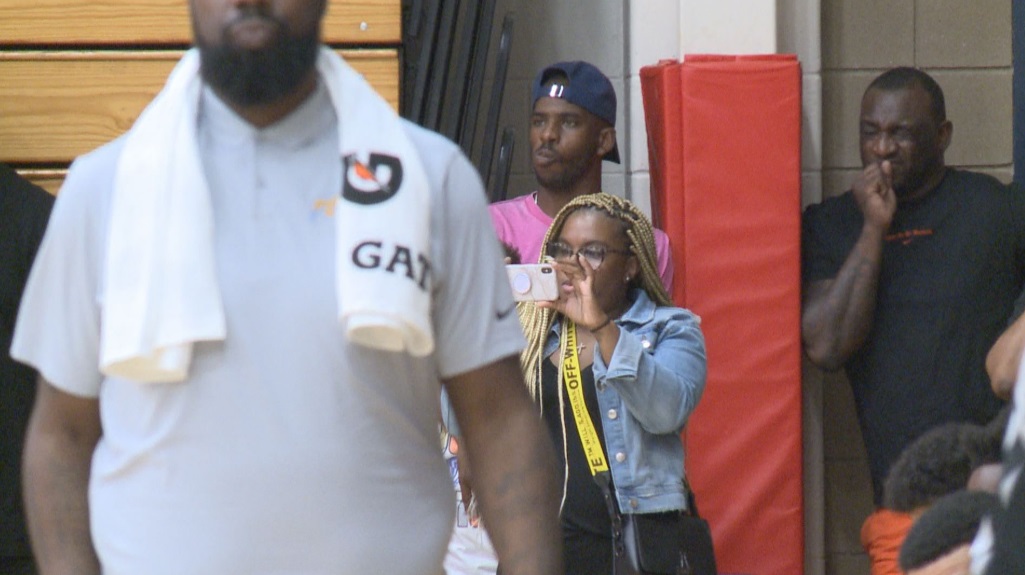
{"x": 1018, "y": 47}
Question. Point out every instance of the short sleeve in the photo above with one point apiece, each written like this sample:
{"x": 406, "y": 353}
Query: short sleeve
{"x": 58, "y": 328}
{"x": 665, "y": 259}
{"x": 826, "y": 237}
{"x": 474, "y": 317}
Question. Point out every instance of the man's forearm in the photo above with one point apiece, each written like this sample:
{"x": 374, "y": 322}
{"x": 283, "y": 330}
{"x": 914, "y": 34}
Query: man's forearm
{"x": 515, "y": 482}
{"x": 838, "y": 314}
{"x": 1004, "y": 358}
{"x": 56, "y": 478}
{"x": 514, "y": 468}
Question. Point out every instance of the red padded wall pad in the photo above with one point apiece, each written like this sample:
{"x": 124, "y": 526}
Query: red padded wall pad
{"x": 732, "y": 212}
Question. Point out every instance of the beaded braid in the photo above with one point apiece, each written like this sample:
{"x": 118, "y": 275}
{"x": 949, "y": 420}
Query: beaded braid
{"x": 538, "y": 321}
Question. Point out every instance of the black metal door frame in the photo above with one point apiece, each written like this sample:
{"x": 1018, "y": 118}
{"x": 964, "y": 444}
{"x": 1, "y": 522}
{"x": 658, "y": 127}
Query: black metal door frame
{"x": 1018, "y": 48}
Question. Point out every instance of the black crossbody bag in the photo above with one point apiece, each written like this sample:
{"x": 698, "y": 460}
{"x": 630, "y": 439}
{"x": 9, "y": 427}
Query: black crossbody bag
{"x": 671, "y": 543}
{"x": 676, "y": 543}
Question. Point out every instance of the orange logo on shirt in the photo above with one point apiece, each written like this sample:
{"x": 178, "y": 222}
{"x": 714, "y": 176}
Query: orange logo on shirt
{"x": 326, "y": 206}
{"x": 908, "y": 236}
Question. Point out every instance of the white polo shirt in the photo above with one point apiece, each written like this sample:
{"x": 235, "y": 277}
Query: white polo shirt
{"x": 287, "y": 450}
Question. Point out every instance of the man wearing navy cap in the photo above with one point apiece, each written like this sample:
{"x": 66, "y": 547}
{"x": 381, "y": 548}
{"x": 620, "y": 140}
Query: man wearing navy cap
{"x": 572, "y": 129}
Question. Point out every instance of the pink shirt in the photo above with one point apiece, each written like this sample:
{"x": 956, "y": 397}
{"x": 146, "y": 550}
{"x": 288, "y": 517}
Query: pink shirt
{"x": 521, "y": 224}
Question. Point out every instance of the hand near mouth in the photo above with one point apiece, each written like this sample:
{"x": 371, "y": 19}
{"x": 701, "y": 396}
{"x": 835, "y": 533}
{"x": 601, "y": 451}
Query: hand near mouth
{"x": 874, "y": 193}
{"x": 576, "y": 294}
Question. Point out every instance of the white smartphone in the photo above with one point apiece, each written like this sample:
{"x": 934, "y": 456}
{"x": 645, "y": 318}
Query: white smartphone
{"x": 533, "y": 282}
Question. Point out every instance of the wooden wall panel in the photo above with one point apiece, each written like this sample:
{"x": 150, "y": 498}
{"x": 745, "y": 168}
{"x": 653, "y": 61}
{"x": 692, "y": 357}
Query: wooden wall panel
{"x": 57, "y": 105}
{"x": 49, "y": 180}
{"x": 103, "y": 22}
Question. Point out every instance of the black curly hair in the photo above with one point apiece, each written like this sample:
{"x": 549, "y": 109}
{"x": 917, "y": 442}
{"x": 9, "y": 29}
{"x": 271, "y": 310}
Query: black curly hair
{"x": 937, "y": 463}
{"x": 950, "y": 522}
{"x": 941, "y": 461}
{"x": 985, "y": 442}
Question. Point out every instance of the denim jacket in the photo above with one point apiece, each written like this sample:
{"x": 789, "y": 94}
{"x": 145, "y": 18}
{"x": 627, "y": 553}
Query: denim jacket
{"x": 645, "y": 394}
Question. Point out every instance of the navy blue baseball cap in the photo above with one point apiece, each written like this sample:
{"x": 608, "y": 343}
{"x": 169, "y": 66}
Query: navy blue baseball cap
{"x": 586, "y": 87}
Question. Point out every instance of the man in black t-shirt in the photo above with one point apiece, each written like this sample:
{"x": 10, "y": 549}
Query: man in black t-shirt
{"x": 24, "y": 211}
{"x": 911, "y": 275}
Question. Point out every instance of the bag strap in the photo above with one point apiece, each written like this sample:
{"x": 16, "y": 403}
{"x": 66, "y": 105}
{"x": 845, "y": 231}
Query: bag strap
{"x": 574, "y": 383}
{"x": 588, "y": 435}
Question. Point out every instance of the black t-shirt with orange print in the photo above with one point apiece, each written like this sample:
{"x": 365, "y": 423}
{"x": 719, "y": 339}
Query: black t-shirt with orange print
{"x": 953, "y": 267}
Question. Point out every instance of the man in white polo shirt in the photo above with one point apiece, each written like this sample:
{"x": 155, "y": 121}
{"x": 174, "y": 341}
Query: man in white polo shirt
{"x": 278, "y": 437}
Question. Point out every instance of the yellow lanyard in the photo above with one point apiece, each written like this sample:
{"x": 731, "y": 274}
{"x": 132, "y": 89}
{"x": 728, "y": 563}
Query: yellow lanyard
{"x": 575, "y": 389}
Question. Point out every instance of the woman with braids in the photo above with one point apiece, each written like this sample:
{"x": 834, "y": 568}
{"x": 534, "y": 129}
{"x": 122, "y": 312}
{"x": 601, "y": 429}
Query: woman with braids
{"x": 613, "y": 343}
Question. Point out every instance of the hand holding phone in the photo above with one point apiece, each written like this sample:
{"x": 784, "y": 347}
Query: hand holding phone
{"x": 533, "y": 282}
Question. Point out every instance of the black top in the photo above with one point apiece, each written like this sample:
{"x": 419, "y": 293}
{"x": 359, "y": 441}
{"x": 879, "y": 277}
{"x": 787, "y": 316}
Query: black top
{"x": 24, "y": 211}
{"x": 953, "y": 265}
{"x": 586, "y": 524}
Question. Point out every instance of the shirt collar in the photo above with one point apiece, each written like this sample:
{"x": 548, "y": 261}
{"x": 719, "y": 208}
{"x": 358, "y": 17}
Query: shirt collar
{"x": 302, "y": 126}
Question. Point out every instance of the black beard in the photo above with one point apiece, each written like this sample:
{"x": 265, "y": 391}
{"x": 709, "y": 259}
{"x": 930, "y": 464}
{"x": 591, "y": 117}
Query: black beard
{"x": 561, "y": 183}
{"x": 565, "y": 180}
{"x": 254, "y": 77}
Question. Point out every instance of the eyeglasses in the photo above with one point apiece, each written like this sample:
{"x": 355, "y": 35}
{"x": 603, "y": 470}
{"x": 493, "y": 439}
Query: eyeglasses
{"x": 593, "y": 253}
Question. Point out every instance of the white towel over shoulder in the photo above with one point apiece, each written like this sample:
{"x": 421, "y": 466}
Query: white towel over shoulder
{"x": 384, "y": 201}
{"x": 160, "y": 284}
